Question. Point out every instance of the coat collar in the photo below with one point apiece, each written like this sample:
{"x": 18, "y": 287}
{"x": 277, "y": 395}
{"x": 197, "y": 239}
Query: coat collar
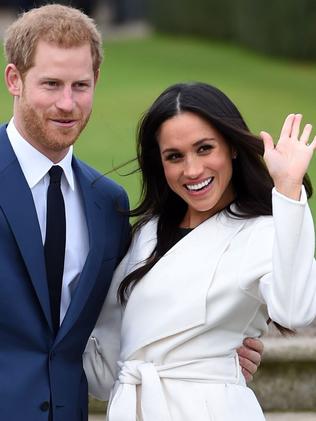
{"x": 34, "y": 164}
{"x": 177, "y": 285}
{"x": 17, "y": 203}
{"x": 97, "y": 212}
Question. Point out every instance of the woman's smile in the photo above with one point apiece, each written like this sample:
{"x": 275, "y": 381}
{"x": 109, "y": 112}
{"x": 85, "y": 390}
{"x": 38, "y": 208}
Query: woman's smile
{"x": 199, "y": 187}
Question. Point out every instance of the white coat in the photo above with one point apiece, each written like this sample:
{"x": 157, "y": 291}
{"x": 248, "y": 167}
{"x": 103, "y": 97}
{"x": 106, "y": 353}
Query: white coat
{"x": 176, "y": 340}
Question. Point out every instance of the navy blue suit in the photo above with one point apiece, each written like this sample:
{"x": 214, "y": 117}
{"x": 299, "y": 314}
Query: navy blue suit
{"x": 35, "y": 367}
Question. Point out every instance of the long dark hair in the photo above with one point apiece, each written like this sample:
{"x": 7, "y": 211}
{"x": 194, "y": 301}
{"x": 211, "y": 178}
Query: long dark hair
{"x": 251, "y": 181}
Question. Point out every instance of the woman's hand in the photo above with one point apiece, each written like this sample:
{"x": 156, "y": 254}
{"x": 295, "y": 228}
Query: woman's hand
{"x": 288, "y": 160}
{"x": 250, "y": 357}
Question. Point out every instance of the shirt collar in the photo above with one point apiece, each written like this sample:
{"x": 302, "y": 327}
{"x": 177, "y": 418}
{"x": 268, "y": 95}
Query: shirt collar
{"x": 34, "y": 164}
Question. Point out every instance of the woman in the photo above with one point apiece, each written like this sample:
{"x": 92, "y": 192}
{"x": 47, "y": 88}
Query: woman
{"x": 214, "y": 256}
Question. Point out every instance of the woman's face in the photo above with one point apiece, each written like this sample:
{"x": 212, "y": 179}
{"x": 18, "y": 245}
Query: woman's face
{"x": 197, "y": 164}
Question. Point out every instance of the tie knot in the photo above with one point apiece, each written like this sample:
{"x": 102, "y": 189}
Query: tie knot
{"x": 55, "y": 174}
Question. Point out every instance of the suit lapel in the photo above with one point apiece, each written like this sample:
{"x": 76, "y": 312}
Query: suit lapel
{"x": 95, "y": 211}
{"x": 17, "y": 203}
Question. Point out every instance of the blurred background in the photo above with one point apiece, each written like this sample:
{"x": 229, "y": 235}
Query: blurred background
{"x": 119, "y": 10}
{"x": 261, "y": 53}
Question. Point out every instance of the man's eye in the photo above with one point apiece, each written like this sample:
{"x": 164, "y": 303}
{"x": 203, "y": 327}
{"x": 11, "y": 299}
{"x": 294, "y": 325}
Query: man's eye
{"x": 50, "y": 83}
{"x": 82, "y": 85}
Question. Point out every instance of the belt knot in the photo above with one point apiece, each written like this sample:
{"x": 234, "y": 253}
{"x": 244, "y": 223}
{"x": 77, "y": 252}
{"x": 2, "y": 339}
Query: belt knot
{"x": 132, "y": 372}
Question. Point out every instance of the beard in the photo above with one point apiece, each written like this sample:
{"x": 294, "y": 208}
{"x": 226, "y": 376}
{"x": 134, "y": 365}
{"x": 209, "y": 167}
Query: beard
{"x": 42, "y": 133}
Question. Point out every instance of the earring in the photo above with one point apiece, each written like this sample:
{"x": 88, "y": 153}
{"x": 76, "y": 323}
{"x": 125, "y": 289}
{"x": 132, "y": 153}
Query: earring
{"x": 234, "y": 156}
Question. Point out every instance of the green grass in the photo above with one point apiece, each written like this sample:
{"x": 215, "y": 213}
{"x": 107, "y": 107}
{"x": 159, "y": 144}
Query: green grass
{"x": 136, "y": 71}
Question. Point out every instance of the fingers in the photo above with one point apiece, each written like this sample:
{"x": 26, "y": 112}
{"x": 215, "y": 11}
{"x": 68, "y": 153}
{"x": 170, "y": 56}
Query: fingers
{"x": 250, "y": 357}
{"x": 306, "y": 133}
{"x": 313, "y": 143}
{"x": 287, "y": 126}
{"x": 267, "y": 140}
{"x": 246, "y": 354}
{"x": 291, "y": 128}
{"x": 254, "y": 344}
{"x": 247, "y": 366}
{"x": 296, "y": 126}
{"x": 248, "y": 376}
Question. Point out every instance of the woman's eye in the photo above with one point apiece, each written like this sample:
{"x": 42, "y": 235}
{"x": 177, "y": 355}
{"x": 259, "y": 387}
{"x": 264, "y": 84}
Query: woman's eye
{"x": 175, "y": 156}
{"x": 205, "y": 148}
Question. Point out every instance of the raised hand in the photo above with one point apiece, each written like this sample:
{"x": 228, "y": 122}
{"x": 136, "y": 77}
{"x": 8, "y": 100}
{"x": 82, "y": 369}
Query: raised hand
{"x": 288, "y": 160}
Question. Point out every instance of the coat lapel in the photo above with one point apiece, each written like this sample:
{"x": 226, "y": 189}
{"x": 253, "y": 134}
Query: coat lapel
{"x": 17, "y": 203}
{"x": 177, "y": 286}
{"x": 96, "y": 215}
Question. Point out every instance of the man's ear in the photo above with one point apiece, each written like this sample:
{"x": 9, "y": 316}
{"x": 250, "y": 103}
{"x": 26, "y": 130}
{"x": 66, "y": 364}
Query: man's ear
{"x": 96, "y": 76}
{"x": 13, "y": 80}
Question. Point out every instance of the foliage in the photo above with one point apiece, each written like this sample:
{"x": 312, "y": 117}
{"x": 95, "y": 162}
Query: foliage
{"x": 277, "y": 27}
{"x": 136, "y": 71}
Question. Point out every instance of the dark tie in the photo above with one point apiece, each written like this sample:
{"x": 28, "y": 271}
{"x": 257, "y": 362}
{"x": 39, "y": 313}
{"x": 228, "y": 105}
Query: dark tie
{"x": 55, "y": 242}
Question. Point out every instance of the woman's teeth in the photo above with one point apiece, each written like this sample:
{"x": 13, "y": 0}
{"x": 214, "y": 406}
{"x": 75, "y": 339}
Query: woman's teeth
{"x": 199, "y": 186}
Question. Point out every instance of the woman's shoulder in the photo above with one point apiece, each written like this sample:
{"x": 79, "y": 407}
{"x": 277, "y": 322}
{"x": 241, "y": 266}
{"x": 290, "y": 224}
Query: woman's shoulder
{"x": 260, "y": 226}
{"x": 247, "y": 222}
{"x": 260, "y": 220}
{"x": 144, "y": 239}
{"x": 147, "y": 230}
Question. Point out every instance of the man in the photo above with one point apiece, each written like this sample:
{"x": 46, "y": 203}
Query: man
{"x": 53, "y": 54}
{"x": 61, "y": 234}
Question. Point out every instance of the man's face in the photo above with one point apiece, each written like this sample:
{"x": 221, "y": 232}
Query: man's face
{"x": 55, "y": 98}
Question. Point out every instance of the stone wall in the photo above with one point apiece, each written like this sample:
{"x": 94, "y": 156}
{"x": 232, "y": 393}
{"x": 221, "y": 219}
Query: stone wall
{"x": 286, "y": 379}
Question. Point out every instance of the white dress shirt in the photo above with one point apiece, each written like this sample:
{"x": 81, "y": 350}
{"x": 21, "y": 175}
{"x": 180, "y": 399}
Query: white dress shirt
{"x": 35, "y": 167}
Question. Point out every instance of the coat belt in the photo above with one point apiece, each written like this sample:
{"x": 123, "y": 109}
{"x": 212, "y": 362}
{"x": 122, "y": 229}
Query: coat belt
{"x": 123, "y": 406}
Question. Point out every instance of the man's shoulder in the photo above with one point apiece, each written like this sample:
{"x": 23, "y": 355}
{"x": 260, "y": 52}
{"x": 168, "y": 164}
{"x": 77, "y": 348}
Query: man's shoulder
{"x": 3, "y": 129}
{"x": 86, "y": 169}
{"x": 100, "y": 182}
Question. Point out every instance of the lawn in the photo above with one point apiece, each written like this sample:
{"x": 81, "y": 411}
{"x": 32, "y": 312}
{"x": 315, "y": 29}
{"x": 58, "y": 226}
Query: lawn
{"x": 136, "y": 71}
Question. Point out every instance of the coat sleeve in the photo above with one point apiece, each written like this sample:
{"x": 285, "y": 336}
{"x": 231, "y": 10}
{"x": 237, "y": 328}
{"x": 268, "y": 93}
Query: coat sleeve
{"x": 102, "y": 351}
{"x": 103, "y": 348}
{"x": 290, "y": 291}
{"x": 280, "y": 255}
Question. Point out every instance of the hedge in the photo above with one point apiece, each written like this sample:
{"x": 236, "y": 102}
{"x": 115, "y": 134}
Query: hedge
{"x": 278, "y": 27}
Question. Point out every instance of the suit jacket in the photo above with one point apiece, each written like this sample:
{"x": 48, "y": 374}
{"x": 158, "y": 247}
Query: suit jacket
{"x": 37, "y": 368}
{"x": 176, "y": 338}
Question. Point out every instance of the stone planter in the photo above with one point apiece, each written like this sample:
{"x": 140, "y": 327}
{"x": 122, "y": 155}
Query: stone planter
{"x": 286, "y": 379}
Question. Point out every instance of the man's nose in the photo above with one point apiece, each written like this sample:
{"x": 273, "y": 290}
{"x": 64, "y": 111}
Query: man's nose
{"x": 66, "y": 101}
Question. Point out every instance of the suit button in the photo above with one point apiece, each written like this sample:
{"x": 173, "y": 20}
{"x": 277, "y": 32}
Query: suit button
{"x": 44, "y": 406}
